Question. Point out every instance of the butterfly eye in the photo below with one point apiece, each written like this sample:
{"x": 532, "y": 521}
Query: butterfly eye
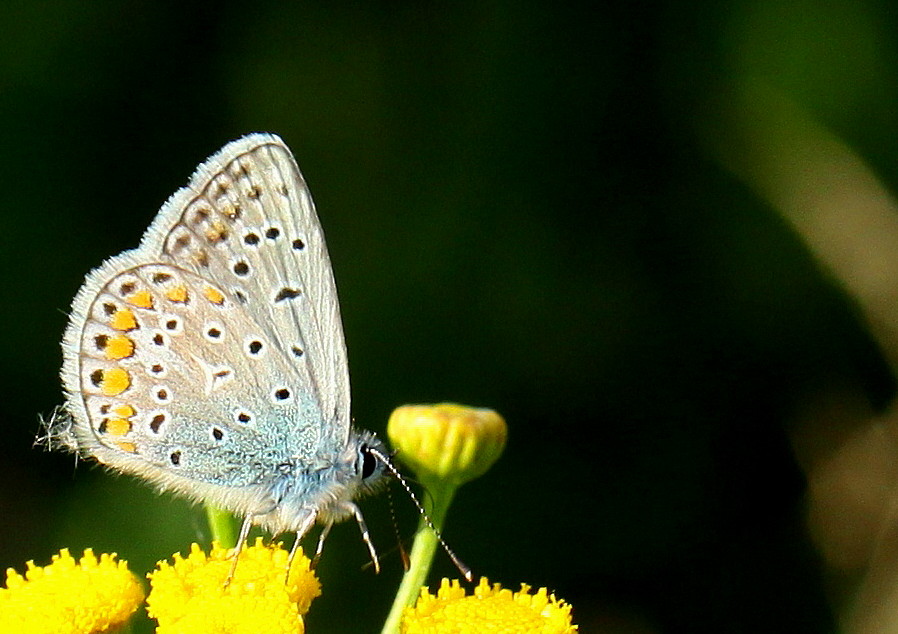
{"x": 369, "y": 462}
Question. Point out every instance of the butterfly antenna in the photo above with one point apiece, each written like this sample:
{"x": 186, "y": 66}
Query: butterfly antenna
{"x": 462, "y": 568}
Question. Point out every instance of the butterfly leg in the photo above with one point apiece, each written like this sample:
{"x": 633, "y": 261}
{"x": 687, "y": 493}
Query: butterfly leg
{"x": 324, "y": 533}
{"x": 307, "y": 523}
{"x": 241, "y": 539}
{"x": 352, "y": 508}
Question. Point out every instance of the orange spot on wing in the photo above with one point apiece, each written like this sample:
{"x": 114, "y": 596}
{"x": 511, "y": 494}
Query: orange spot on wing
{"x": 177, "y": 293}
{"x": 118, "y": 347}
{"x": 127, "y": 447}
{"x": 217, "y": 232}
{"x": 141, "y": 299}
{"x": 118, "y": 426}
{"x": 123, "y": 319}
{"x": 214, "y": 295}
{"x": 114, "y": 381}
{"x": 125, "y": 411}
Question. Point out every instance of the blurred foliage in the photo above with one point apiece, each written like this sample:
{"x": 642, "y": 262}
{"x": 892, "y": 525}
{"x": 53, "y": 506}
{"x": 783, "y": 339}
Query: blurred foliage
{"x": 522, "y": 214}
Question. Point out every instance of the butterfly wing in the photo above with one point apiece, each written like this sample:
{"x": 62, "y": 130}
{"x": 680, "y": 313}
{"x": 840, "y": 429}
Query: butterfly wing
{"x": 213, "y": 354}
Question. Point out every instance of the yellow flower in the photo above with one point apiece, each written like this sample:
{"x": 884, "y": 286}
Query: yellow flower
{"x": 191, "y": 596}
{"x": 449, "y": 442}
{"x": 488, "y": 609}
{"x": 68, "y": 596}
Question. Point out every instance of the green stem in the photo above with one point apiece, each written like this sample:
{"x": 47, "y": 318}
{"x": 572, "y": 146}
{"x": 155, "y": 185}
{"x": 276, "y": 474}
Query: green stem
{"x": 222, "y": 526}
{"x": 423, "y": 550}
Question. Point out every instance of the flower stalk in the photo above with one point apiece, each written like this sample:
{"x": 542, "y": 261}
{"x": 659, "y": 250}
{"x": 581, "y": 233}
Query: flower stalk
{"x": 221, "y": 524}
{"x": 445, "y": 445}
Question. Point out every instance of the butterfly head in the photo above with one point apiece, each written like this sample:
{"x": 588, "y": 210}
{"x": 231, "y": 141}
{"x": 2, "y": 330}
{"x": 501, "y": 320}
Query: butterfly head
{"x": 370, "y": 468}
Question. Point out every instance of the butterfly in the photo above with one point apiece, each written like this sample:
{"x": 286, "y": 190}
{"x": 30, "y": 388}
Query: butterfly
{"x": 210, "y": 360}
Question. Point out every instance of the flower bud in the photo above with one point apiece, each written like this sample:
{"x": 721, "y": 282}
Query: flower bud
{"x": 451, "y": 442}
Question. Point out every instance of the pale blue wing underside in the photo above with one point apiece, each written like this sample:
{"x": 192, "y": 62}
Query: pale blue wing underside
{"x": 213, "y": 355}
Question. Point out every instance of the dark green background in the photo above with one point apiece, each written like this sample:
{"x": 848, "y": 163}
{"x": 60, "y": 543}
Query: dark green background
{"x": 520, "y": 216}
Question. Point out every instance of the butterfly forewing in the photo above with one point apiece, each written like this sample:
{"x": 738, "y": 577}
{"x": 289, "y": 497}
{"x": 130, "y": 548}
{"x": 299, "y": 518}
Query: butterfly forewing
{"x": 247, "y": 217}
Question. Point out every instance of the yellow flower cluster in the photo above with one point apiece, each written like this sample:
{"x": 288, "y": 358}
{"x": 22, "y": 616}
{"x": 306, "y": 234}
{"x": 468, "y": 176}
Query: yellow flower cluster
{"x": 489, "y": 609}
{"x": 446, "y": 444}
{"x": 79, "y": 597}
{"x": 193, "y": 595}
